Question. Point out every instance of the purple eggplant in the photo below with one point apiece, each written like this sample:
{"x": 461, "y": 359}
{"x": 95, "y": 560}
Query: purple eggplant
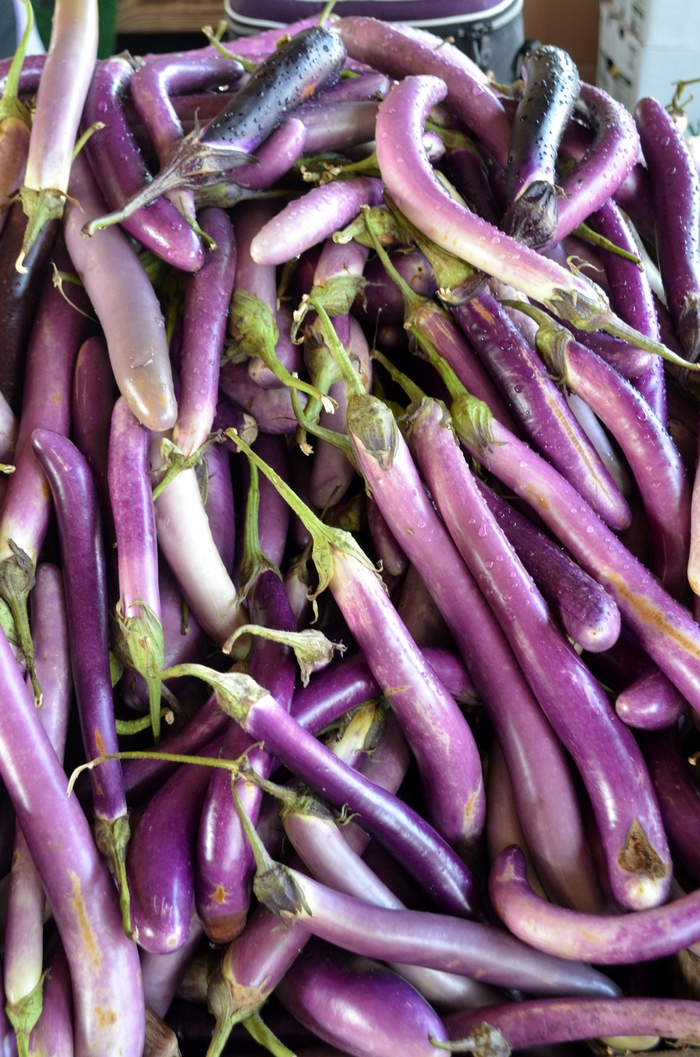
{"x": 80, "y": 533}
{"x": 107, "y": 991}
{"x": 678, "y": 797}
{"x": 601, "y": 939}
{"x": 650, "y": 703}
{"x": 675, "y": 188}
{"x": 551, "y": 89}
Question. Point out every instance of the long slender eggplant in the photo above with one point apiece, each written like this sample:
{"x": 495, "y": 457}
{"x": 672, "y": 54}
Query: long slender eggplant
{"x": 94, "y": 395}
{"x": 601, "y": 939}
{"x": 627, "y": 814}
{"x": 294, "y": 72}
{"x": 551, "y": 89}
{"x": 114, "y": 278}
{"x": 15, "y": 125}
{"x": 104, "y": 965}
{"x": 675, "y": 188}
{"x": 60, "y": 99}
{"x": 120, "y": 170}
{"x": 80, "y": 534}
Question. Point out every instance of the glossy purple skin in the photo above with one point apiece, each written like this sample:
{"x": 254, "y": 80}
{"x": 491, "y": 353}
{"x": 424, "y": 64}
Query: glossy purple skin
{"x": 275, "y": 157}
{"x": 602, "y": 748}
{"x": 53, "y": 1032}
{"x": 130, "y": 488}
{"x": 330, "y": 859}
{"x": 664, "y": 627}
{"x": 438, "y": 941}
{"x": 94, "y": 395}
{"x": 397, "y": 51}
{"x": 50, "y": 357}
{"x": 634, "y": 197}
{"x": 600, "y": 939}
{"x": 678, "y": 797}
{"x": 160, "y": 860}
{"x": 80, "y": 534}
{"x": 392, "y": 824}
{"x": 650, "y": 703}
{"x": 588, "y": 613}
{"x": 394, "y": 561}
{"x": 314, "y": 217}
{"x": 26, "y": 900}
{"x": 627, "y": 360}
{"x": 30, "y": 73}
{"x": 434, "y": 726}
{"x": 539, "y": 406}
{"x": 135, "y": 339}
{"x": 121, "y": 171}
{"x": 271, "y": 408}
{"x": 675, "y": 190}
{"x": 553, "y": 824}
{"x": 338, "y": 126}
{"x": 606, "y": 163}
{"x": 109, "y": 1013}
{"x": 162, "y": 973}
{"x": 176, "y": 74}
{"x": 363, "y": 1008}
{"x": 206, "y": 308}
{"x": 274, "y": 527}
{"x": 367, "y": 86}
{"x": 470, "y": 177}
{"x": 225, "y": 864}
{"x": 380, "y": 300}
{"x": 19, "y": 293}
{"x": 542, "y": 1023}
{"x": 650, "y": 452}
{"x": 632, "y": 300}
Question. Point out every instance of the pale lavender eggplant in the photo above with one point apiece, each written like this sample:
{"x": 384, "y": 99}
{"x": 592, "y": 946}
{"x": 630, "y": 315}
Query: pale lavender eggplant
{"x": 555, "y": 836}
{"x": 108, "y": 993}
{"x": 162, "y": 973}
{"x": 650, "y": 703}
{"x": 53, "y": 1033}
{"x": 185, "y": 538}
{"x": 603, "y": 749}
{"x": 120, "y": 170}
{"x": 601, "y": 939}
{"x": 224, "y": 859}
{"x": 398, "y": 50}
{"x": 160, "y": 862}
{"x": 64, "y": 84}
{"x": 135, "y": 338}
{"x": 132, "y": 507}
{"x": 547, "y": 103}
{"x": 632, "y": 299}
{"x": 606, "y": 163}
{"x": 543, "y": 1023}
{"x": 539, "y": 406}
{"x": 675, "y": 190}
{"x": 314, "y": 217}
{"x": 438, "y": 941}
{"x": 206, "y": 308}
{"x": 329, "y": 858}
{"x": 678, "y": 797}
{"x": 648, "y": 448}
{"x": 588, "y": 613}
{"x": 362, "y": 1007}
{"x": 271, "y": 408}
{"x": 664, "y": 628}
{"x": 26, "y": 900}
{"x": 94, "y": 395}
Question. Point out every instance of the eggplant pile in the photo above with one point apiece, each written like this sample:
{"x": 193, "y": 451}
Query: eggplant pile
{"x": 349, "y": 552}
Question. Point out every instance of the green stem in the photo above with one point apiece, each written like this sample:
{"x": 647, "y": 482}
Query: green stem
{"x": 587, "y": 234}
{"x": 10, "y": 104}
{"x": 348, "y": 372}
{"x": 112, "y": 839}
{"x": 127, "y": 727}
{"x": 414, "y": 393}
{"x": 87, "y": 134}
{"x": 253, "y": 1023}
{"x": 176, "y": 461}
{"x": 338, "y": 440}
{"x": 167, "y": 757}
{"x": 24, "y": 1014}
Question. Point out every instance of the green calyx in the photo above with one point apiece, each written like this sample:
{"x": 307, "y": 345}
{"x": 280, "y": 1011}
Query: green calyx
{"x": 235, "y": 692}
{"x": 141, "y": 646}
{"x": 311, "y": 648}
{"x": 112, "y": 838}
{"x": 16, "y": 581}
{"x": 24, "y": 1014}
{"x": 324, "y": 539}
{"x": 384, "y": 226}
{"x": 40, "y": 206}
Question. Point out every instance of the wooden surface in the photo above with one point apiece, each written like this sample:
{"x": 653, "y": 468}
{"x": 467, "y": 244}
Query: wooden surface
{"x": 570, "y": 24}
{"x": 168, "y": 16}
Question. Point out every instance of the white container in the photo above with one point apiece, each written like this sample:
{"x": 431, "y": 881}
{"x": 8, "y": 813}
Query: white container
{"x": 629, "y": 69}
{"x": 663, "y": 23}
